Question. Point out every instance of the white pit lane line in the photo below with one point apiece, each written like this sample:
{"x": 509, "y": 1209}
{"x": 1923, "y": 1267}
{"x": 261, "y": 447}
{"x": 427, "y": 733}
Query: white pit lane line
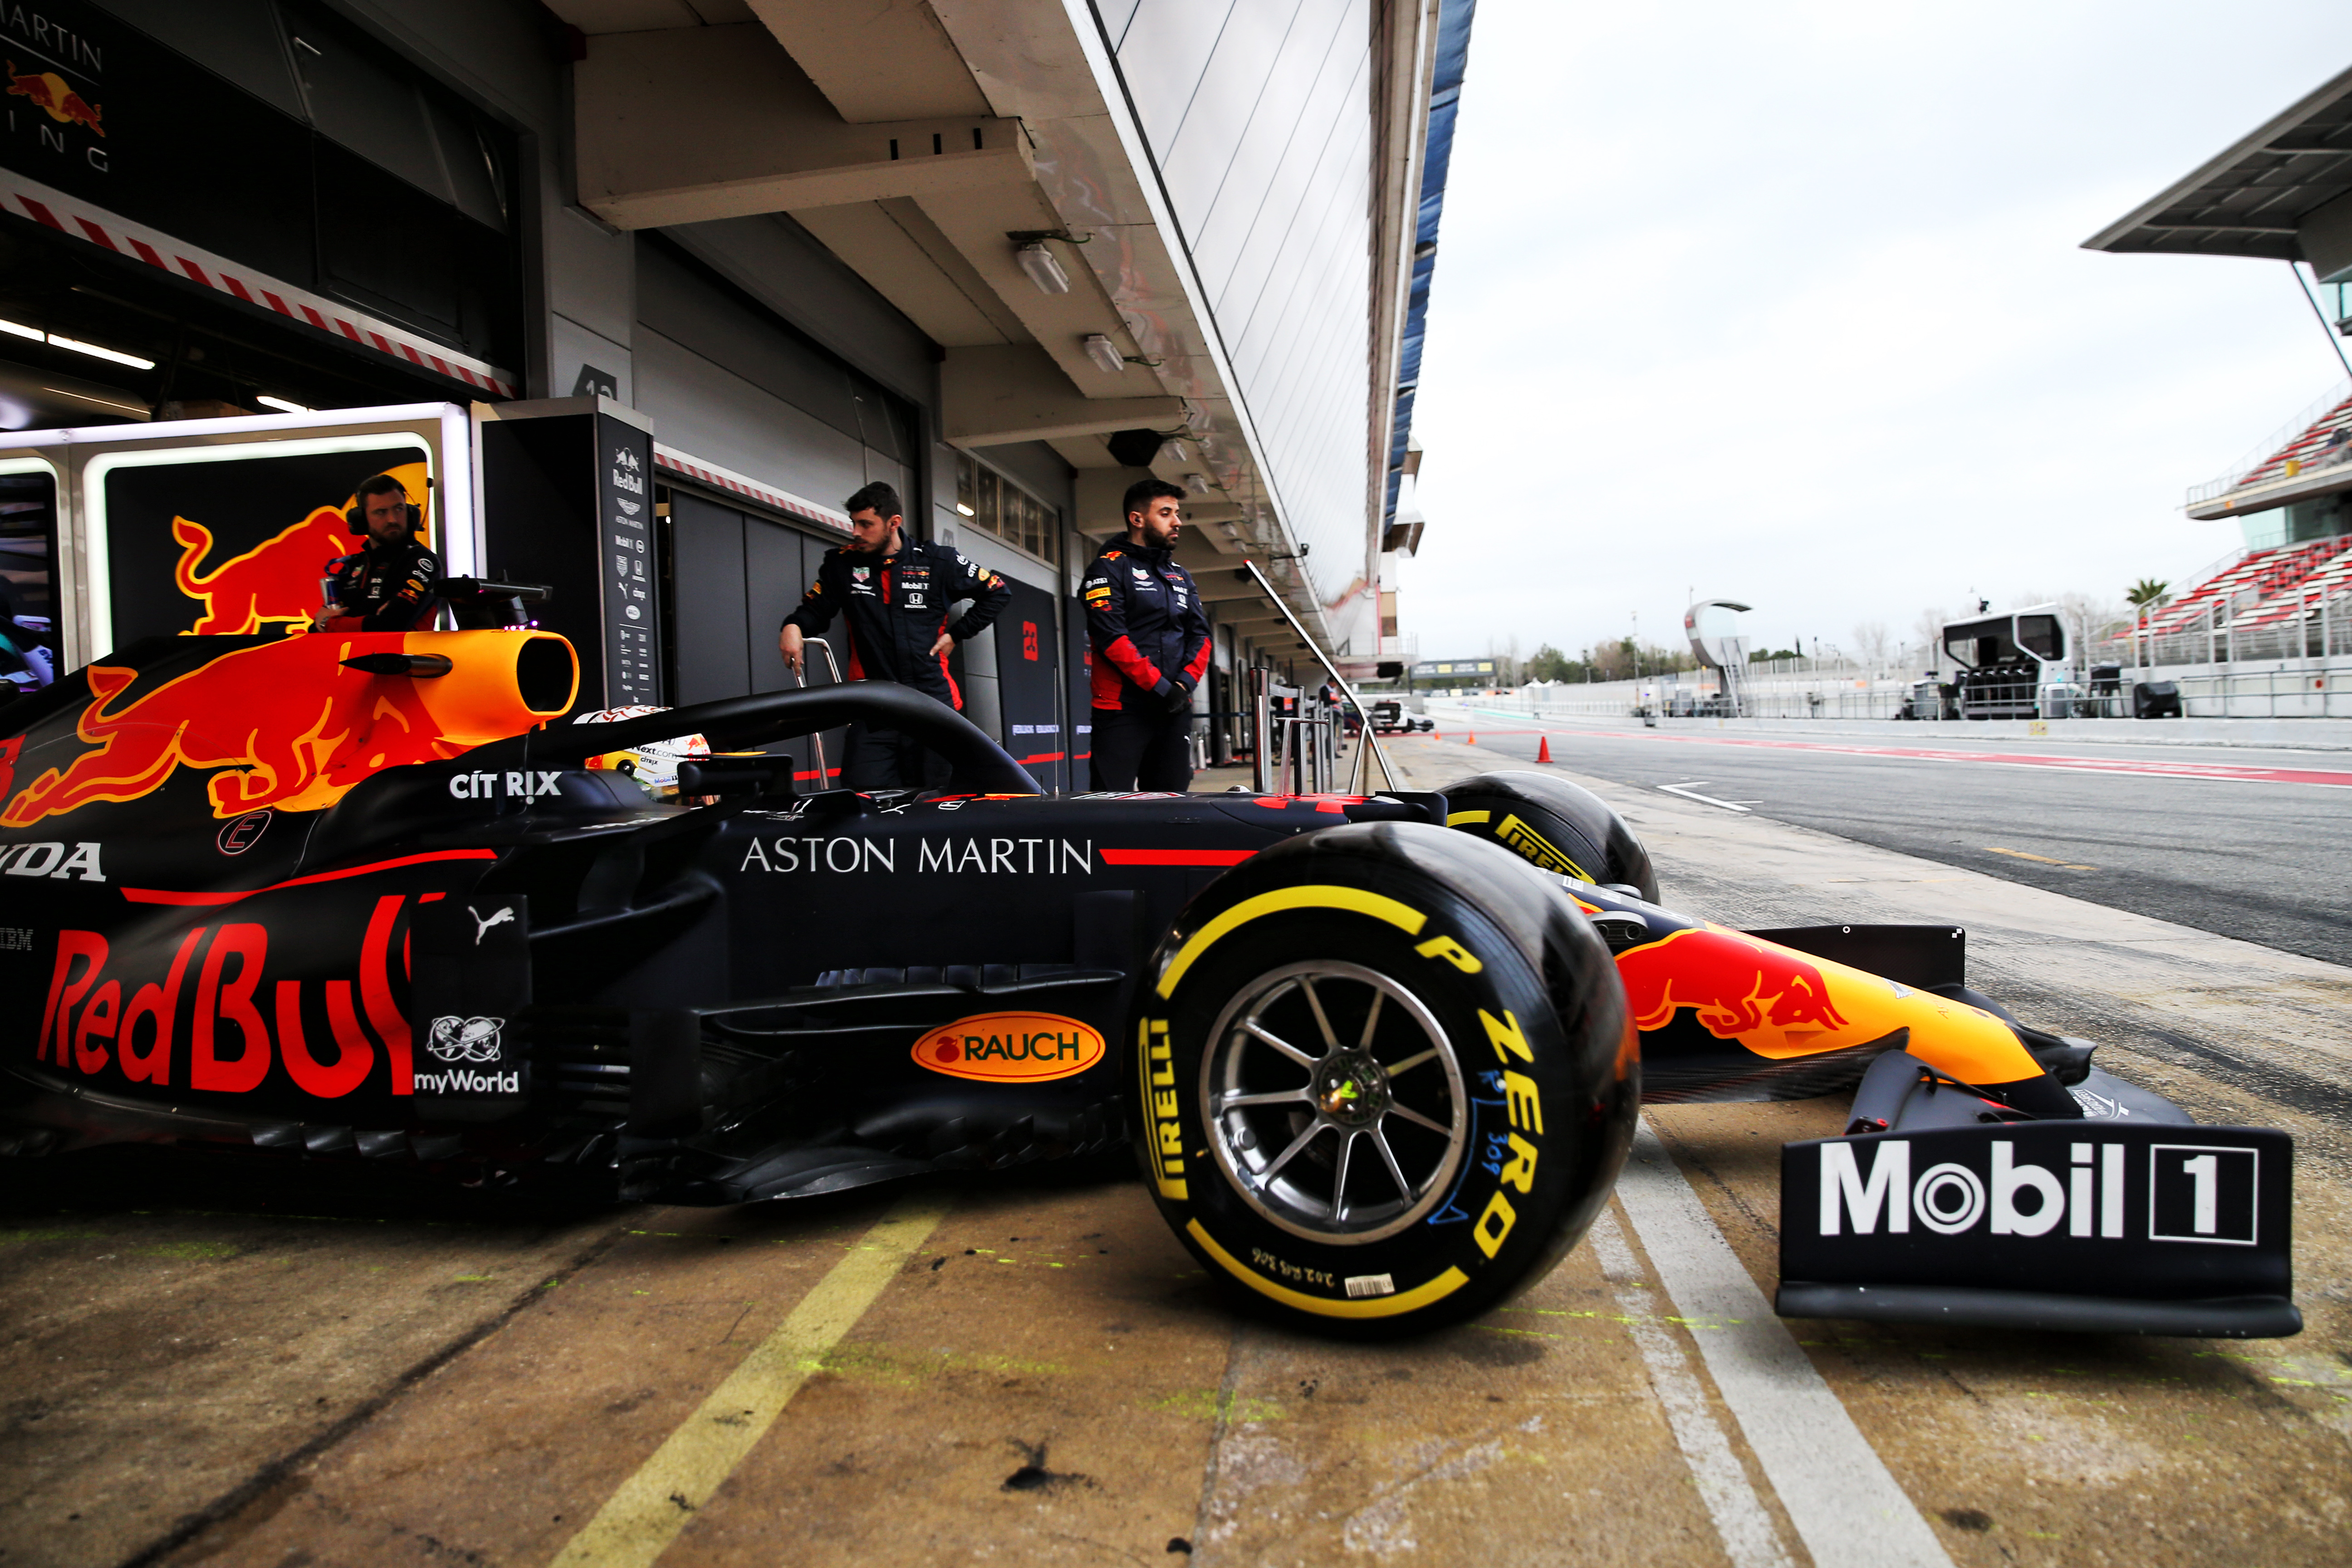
{"x": 1690, "y": 792}
{"x": 1846, "y": 1506}
{"x": 1742, "y": 1521}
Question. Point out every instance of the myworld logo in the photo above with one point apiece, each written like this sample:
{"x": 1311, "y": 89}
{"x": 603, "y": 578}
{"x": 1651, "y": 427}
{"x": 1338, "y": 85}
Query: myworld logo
{"x": 464, "y": 1082}
{"x": 2193, "y": 1191}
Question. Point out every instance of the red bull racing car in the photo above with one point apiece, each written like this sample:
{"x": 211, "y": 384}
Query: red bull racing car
{"x": 355, "y": 897}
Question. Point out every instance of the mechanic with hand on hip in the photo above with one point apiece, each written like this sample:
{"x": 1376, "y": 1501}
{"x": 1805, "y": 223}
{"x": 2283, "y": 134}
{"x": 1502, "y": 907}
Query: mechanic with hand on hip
{"x": 896, "y": 595}
{"x": 392, "y": 582}
{"x": 1150, "y": 643}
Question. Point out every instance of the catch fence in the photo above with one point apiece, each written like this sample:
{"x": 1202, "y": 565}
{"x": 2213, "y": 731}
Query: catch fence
{"x": 2313, "y": 687}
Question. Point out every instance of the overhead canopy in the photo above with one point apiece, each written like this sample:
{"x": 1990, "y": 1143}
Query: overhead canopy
{"x": 2284, "y": 193}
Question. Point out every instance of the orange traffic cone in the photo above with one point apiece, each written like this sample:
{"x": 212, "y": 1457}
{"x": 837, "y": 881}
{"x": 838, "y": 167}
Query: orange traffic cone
{"x": 1543, "y": 750}
{"x": 1473, "y": 740}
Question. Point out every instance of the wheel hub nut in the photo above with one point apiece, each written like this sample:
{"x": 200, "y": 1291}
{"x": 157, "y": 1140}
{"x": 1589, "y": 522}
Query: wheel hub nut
{"x": 1352, "y": 1090}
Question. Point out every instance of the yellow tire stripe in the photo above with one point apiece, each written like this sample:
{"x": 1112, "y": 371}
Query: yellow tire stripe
{"x": 652, "y": 1506}
{"x": 1404, "y": 917}
{"x": 1457, "y": 818}
{"x": 1419, "y": 1296}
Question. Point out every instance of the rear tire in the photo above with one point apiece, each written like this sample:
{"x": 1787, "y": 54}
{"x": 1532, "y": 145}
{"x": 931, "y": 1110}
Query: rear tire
{"x": 1386, "y": 1079}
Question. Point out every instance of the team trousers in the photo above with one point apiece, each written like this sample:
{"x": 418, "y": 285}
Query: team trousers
{"x": 876, "y": 758}
{"x": 1141, "y": 748}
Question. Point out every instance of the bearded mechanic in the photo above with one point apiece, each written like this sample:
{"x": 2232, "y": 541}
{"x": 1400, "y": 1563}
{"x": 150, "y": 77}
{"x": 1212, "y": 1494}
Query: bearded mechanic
{"x": 392, "y": 582}
{"x": 1149, "y": 643}
{"x": 896, "y": 595}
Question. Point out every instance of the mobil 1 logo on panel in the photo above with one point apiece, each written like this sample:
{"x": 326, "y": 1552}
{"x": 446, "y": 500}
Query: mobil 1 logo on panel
{"x": 2071, "y": 1207}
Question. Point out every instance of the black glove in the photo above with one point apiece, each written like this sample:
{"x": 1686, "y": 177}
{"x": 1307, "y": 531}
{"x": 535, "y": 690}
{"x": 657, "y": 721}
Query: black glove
{"x": 1178, "y": 696}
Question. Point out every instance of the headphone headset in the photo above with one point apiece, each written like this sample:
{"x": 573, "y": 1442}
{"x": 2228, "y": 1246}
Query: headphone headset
{"x": 355, "y": 515}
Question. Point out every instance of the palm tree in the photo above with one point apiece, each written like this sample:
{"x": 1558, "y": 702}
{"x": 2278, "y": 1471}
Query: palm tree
{"x": 2143, "y": 596}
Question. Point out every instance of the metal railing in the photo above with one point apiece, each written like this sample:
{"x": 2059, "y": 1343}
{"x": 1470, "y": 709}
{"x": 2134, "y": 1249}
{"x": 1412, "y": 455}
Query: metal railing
{"x": 1294, "y": 738}
{"x": 816, "y": 740}
{"x": 2317, "y": 625}
{"x": 1368, "y": 750}
{"x": 2271, "y": 446}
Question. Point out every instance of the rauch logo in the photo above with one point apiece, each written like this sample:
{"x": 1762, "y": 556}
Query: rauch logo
{"x": 1010, "y": 1047}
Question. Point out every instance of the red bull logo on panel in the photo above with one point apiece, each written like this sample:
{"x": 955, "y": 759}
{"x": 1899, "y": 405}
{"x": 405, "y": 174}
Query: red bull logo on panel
{"x": 277, "y": 581}
{"x": 50, "y": 93}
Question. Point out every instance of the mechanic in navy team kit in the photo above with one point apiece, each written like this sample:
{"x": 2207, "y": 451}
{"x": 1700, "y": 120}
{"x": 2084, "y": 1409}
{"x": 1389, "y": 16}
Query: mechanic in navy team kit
{"x": 897, "y": 594}
{"x": 392, "y": 582}
{"x": 1150, "y": 643}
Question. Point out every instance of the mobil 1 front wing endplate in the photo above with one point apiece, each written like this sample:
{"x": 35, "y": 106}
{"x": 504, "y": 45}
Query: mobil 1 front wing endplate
{"x": 2114, "y": 1224}
{"x": 1990, "y": 1174}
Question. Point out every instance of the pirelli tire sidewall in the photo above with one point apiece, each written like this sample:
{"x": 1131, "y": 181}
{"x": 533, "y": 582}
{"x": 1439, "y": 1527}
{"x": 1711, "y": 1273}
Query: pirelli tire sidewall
{"x": 1553, "y": 825}
{"x": 1536, "y": 1018}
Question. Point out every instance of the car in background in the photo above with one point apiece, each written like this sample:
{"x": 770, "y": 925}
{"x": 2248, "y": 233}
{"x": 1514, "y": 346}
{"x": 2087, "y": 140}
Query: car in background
{"x": 1390, "y": 717}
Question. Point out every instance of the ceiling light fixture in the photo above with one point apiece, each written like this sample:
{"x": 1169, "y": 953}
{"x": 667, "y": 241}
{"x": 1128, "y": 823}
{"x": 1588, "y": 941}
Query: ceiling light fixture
{"x": 1105, "y": 353}
{"x": 76, "y": 345}
{"x": 1198, "y": 484}
{"x": 283, "y": 407}
{"x": 1043, "y": 268}
{"x": 965, "y": 510}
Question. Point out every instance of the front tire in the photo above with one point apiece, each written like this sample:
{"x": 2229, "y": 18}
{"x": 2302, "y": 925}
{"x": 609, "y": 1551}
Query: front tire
{"x": 1387, "y": 1078}
{"x": 1555, "y": 825}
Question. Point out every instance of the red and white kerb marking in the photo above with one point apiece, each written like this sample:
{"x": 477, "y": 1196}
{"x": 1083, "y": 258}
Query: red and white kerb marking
{"x": 71, "y": 216}
{"x": 678, "y": 462}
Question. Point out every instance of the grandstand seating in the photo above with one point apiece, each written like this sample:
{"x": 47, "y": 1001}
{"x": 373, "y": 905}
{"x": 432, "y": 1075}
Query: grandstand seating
{"x": 2280, "y": 580}
{"x": 2307, "y": 451}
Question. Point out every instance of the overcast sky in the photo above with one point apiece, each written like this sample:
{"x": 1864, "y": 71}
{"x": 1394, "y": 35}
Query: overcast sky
{"x": 1785, "y": 303}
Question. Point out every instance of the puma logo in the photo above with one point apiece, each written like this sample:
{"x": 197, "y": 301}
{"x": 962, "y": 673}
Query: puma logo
{"x": 482, "y": 927}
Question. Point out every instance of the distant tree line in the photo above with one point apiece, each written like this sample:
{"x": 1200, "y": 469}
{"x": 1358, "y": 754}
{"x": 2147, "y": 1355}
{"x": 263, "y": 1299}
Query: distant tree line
{"x": 1607, "y": 661}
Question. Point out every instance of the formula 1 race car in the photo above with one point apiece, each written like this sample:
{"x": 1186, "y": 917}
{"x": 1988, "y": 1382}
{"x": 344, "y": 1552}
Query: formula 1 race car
{"x": 357, "y": 898}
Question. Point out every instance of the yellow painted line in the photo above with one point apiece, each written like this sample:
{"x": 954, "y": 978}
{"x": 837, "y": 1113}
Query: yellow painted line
{"x": 2044, "y": 859}
{"x": 640, "y": 1520}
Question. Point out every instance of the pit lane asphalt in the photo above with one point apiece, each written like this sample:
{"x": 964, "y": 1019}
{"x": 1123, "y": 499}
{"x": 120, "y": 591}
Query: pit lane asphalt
{"x": 202, "y": 1366}
{"x": 2266, "y": 862}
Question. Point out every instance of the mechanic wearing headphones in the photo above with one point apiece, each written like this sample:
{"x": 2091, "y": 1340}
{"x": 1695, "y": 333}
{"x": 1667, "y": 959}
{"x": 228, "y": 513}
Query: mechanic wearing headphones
{"x": 392, "y": 583}
{"x": 1150, "y": 639}
{"x": 896, "y": 595}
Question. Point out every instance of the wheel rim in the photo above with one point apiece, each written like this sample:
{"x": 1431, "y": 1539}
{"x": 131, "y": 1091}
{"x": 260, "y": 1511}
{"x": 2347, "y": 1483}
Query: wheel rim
{"x": 1334, "y": 1100}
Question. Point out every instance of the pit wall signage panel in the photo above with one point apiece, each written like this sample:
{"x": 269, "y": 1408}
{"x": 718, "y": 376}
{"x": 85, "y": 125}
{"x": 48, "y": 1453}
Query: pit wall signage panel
{"x": 567, "y": 503}
{"x": 630, "y": 569}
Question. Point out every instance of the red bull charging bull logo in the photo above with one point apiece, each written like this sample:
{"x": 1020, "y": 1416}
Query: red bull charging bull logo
{"x": 1781, "y": 1004}
{"x": 51, "y": 94}
{"x": 285, "y": 724}
{"x": 277, "y": 581}
{"x": 1767, "y": 998}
